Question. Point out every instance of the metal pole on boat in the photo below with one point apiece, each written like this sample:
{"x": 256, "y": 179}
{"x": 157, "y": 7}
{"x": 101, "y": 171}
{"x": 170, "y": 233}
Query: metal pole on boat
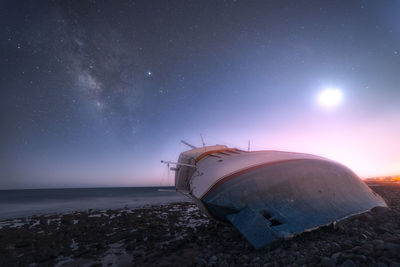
{"x": 178, "y": 163}
{"x": 186, "y": 143}
{"x": 168, "y": 174}
{"x": 204, "y": 144}
{"x": 202, "y": 140}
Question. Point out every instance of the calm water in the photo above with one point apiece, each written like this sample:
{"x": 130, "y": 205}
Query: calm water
{"x": 21, "y": 203}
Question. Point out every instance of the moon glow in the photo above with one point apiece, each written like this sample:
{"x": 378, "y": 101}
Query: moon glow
{"x": 330, "y": 97}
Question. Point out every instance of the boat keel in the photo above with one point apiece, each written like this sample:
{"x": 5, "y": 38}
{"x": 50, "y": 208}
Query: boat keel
{"x": 254, "y": 227}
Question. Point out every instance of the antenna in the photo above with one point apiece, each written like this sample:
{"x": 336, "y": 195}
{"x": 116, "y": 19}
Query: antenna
{"x": 178, "y": 164}
{"x": 248, "y": 146}
{"x": 186, "y": 143}
{"x": 168, "y": 174}
{"x": 202, "y": 140}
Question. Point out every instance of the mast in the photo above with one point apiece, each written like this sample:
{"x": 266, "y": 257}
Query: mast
{"x": 189, "y": 145}
{"x": 202, "y": 140}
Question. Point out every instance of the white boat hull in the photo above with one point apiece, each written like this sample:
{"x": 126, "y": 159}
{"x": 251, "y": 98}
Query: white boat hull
{"x": 269, "y": 195}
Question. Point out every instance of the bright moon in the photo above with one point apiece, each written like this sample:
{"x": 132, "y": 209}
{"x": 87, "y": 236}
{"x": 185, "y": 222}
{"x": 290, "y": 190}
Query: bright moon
{"x": 330, "y": 98}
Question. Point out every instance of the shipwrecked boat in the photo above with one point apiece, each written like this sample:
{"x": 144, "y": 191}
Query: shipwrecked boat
{"x": 271, "y": 195}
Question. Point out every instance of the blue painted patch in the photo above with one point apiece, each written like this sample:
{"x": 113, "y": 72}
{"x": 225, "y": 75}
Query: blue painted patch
{"x": 254, "y": 227}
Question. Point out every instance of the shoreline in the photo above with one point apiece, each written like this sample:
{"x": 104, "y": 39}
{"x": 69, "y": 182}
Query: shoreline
{"x": 45, "y": 202}
{"x": 179, "y": 234}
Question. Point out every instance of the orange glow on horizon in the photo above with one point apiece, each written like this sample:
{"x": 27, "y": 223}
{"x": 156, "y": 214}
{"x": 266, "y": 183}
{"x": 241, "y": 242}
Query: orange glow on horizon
{"x": 384, "y": 179}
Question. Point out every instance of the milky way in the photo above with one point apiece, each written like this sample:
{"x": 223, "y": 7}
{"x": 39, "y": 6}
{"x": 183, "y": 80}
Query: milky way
{"x": 95, "y": 93}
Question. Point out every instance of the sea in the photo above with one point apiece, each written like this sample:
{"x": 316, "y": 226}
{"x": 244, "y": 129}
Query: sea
{"x": 29, "y": 202}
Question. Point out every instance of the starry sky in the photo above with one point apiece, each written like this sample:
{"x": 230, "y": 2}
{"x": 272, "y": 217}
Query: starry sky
{"x": 96, "y": 93}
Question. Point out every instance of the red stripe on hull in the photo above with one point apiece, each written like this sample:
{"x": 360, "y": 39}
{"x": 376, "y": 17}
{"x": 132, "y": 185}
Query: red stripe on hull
{"x": 244, "y": 171}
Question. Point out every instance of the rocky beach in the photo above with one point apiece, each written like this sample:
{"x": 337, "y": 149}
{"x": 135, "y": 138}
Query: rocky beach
{"x": 178, "y": 234}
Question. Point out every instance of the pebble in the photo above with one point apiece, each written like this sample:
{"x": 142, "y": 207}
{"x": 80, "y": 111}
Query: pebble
{"x": 335, "y": 246}
{"x": 366, "y": 217}
{"x": 327, "y": 262}
{"x": 348, "y": 263}
{"x": 378, "y": 244}
{"x": 393, "y": 248}
{"x": 368, "y": 248}
{"x": 214, "y": 259}
{"x": 379, "y": 210}
{"x": 335, "y": 256}
{"x": 347, "y": 244}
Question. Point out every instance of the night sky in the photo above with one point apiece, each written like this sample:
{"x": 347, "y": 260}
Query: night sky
{"x": 96, "y": 93}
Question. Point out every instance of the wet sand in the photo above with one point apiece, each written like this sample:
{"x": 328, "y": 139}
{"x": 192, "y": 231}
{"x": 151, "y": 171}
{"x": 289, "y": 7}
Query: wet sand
{"x": 178, "y": 234}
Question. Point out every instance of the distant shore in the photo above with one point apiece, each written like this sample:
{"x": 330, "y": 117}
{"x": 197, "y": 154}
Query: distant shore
{"x": 178, "y": 234}
{"x": 23, "y": 203}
